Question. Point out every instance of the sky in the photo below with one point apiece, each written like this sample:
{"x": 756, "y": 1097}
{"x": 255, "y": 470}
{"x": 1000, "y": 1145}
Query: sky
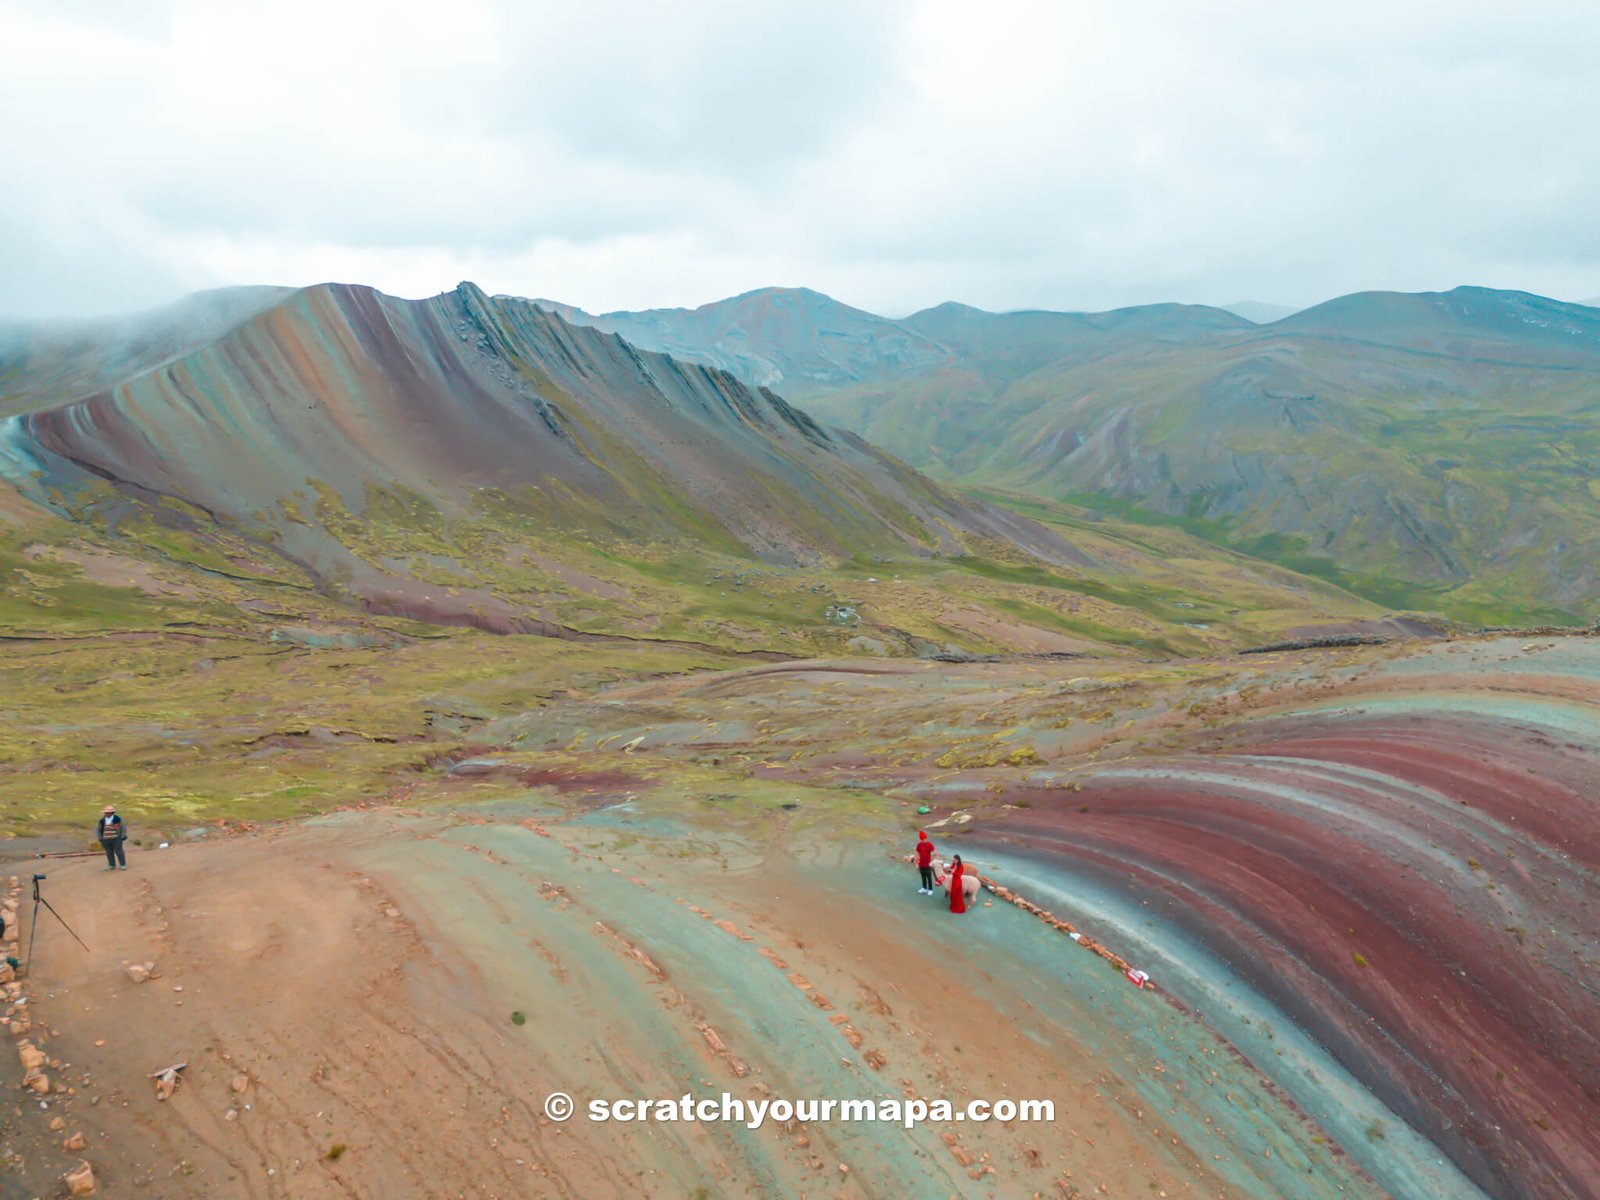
{"x": 892, "y": 153}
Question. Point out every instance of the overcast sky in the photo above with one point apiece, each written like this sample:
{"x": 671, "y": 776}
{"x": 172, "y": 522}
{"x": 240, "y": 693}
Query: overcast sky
{"x": 622, "y": 155}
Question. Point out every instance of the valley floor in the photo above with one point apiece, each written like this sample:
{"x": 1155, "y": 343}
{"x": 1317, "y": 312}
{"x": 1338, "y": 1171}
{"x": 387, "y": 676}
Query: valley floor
{"x": 360, "y": 972}
{"x": 1365, "y": 881}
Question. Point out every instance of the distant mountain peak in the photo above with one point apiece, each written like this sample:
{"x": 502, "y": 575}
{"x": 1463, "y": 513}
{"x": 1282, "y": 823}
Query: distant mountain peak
{"x": 775, "y": 290}
{"x": 1517, "y": 326}
{"x": 949, "y": 309}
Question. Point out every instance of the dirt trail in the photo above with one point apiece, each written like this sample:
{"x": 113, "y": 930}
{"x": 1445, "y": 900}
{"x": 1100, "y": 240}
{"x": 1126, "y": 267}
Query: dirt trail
{"x": 277, "y": 965}
{"x": 356, "y": 978}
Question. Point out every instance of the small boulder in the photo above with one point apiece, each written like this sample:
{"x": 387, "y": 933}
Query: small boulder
{"x": 38, "y": 1081}
{"x": 241, "y": 1083}
{"x": 75, "y": 1142}
{"x": 32, "y": 1057}
{"x": 57, "y": 1124}
{"x": 138, "y": 972}
{"x": 80, "y": 1180}
{"x": 167, "y": 1081}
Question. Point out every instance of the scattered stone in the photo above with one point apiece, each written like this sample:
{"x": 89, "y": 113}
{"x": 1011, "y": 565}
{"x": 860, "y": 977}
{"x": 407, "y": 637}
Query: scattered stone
{"x": 167, "y": 1080}
{"x": 241, "y": 1083}
{"x": 74, "y": 1143}
{"x": 57, "y": 1124}
{"x": 138, "y": 972}
{"x": 80, "y": 1180}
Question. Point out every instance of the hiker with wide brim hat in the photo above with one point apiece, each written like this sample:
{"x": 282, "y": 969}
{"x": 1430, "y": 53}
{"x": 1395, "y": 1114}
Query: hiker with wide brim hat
{"x": 112, "y": 833}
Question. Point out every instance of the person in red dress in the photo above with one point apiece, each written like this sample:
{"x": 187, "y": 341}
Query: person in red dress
{"x": 958, "y": 901}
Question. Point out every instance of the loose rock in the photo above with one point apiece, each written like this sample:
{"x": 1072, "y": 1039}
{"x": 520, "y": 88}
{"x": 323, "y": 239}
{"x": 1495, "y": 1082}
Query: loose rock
{"x": 80, "y": 1180}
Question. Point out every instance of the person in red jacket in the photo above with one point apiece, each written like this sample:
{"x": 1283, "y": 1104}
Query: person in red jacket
{"x": 925, "y": 863}
{"x": 958, "y": 901}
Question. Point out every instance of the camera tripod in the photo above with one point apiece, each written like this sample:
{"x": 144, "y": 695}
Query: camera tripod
{"x": 33, "y": 930}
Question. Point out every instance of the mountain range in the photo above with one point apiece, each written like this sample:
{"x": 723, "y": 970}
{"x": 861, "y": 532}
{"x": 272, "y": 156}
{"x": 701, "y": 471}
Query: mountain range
{"x": 472, "y": 460}
{"x": 1190, "y": 478}
{"x": 1436, "y": 451}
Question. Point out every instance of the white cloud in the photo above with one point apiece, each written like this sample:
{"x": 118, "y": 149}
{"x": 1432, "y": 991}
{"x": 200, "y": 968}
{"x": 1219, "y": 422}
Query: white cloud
{"x": 1024, "y": 152}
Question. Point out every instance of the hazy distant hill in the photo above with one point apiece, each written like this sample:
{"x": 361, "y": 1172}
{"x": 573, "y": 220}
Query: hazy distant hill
{"x": 774, "y": 337}
{"x": 1435, "y": 449}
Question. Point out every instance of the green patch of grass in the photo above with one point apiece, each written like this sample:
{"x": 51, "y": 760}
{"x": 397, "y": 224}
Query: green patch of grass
{"x": 177, "y": 734}
{"x": 1094, "y": 631}
{"x": 1294, "y": 553}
